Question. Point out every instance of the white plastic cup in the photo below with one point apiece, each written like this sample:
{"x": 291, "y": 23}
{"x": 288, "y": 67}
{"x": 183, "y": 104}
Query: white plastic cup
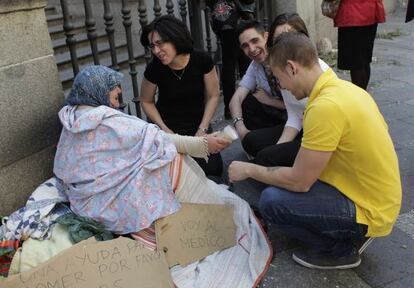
{"x": 228, "y": 133}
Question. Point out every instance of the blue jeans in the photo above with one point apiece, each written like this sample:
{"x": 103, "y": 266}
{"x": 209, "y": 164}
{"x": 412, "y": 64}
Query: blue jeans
{"x": 323, "y": 218}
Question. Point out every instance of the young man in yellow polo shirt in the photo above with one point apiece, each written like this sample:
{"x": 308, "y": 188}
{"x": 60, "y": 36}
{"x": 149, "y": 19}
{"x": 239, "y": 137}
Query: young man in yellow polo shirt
{"x": 344, "y": 186}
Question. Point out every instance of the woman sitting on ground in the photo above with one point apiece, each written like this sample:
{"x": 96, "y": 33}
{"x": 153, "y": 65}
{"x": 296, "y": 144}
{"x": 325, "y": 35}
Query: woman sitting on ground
{"x": 278, "y": 146}
{"x": 113, "y": 162}
{"x": 187, "y": 83}
{"x": 126, "y": 173}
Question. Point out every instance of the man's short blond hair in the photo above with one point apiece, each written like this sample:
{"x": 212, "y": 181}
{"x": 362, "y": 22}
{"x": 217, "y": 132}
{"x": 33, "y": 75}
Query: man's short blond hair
{"x": 293, "y": 46}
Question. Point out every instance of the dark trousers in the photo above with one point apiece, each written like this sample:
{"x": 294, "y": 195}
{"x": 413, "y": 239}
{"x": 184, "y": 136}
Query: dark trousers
{"x": 323, "y": 218}
{"x": 261, "y": 144}
{"x": 266, "y": 124}
{"x": 231, "y": 55}
{"x": 257, "y": 115}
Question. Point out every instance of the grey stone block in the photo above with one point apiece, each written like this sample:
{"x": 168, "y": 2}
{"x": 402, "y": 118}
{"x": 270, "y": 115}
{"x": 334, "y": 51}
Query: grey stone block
{"x": 17, "y": 5}
{"x": 402, "y": 283}
{"x": 405, "y": 158}
{"x": 285, "y": 273}
{"x": 23, "y": 36}
{"x": 387, "y": 260}
{"x": 401, "y": 132}
{"x": 390, "y": 5}
{"x": 31, "y": 96}
{"x": 409, "y": 120}
{"x": 18, "y": 181}
{"x": 407, "y": 182}
{"x": 395, "y": 111}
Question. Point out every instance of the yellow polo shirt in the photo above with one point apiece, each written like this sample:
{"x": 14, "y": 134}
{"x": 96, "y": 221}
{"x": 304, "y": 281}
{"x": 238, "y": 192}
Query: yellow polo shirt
{"x": 343, "y": 118}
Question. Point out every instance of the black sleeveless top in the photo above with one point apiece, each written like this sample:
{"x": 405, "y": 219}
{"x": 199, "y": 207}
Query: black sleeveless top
{"x": 181, "y": 102}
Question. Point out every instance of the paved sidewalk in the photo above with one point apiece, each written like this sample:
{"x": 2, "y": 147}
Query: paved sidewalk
{"x": 388, "y": 262}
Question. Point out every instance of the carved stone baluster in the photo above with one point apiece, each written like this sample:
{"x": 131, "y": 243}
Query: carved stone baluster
{"x": 143, "y": 20}
{"x": 157, "y": 9}
{"x": 170, "y": 7}
{"x": 70, "y": 39}
{"x": 110, "y": 30}
{"x": 91, "y": 30}
{"x": 126, "y": 15}
{"x": 142, "y": 11}
{"x": 183, "y": 10}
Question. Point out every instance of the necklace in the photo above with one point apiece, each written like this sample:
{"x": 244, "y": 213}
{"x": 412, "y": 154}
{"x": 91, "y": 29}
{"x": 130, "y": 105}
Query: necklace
{"x": 179, "y": 76}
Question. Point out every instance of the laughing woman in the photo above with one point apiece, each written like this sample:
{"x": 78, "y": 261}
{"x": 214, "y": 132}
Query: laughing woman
{"x": 187, "y": 83}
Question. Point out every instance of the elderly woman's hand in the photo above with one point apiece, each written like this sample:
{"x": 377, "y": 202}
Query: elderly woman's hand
{"x": 216, "y": 143}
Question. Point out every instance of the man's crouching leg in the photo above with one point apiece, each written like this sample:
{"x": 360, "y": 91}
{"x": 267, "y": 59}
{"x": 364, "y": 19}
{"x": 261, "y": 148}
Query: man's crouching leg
{"x": 322, "y": 218}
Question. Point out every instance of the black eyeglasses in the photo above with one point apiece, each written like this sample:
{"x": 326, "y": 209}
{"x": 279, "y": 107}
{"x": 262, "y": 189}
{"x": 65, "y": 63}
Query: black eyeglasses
{"x": 158, "y": 44}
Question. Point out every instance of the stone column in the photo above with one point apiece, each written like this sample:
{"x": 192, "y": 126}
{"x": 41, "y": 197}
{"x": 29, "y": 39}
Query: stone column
{"x": 30, "y": 97}
{"x": 310, "y": 11}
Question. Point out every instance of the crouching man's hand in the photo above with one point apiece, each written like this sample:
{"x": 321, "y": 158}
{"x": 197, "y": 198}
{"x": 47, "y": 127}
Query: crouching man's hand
{"x": 239, "y": 171}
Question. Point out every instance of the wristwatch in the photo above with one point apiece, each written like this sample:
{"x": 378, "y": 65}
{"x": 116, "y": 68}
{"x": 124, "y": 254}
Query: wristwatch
{"x": 203, "y": 129}
{"x": 237, "y": 119}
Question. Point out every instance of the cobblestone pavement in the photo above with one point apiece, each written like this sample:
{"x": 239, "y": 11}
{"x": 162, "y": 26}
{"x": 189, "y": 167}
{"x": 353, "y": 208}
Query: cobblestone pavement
{"x": 389, "y": 261}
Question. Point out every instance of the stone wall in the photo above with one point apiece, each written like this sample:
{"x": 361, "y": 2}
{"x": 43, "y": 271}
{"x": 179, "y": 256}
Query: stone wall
{"x": 30, "y": 97}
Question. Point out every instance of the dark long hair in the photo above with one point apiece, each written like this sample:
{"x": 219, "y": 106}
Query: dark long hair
{"x": 292, "y": 19}
{"x": 170, "y": 30}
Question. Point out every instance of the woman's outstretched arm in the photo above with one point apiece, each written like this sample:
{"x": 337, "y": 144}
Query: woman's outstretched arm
{"x": 147, "y": 98}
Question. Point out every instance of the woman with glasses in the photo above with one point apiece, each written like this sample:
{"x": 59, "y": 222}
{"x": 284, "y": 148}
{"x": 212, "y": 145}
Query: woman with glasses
{"x": 187, "y": 83}
{"x": 280, "y": 145}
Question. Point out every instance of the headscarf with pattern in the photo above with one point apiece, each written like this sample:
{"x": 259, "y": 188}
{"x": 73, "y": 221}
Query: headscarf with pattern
{"x": 92, "y": 86}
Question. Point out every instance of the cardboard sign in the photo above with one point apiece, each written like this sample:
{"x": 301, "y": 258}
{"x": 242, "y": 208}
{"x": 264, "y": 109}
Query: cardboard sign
{"x": 90, "y": 264}
{"x": 194, "y": 232}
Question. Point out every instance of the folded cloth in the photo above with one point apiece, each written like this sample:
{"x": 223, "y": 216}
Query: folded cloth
{"x": 5, "y": 262}
{"x": 81, "y": 228}
{"x": 36, "y": 217}
{"x": 7, "y": 246}
{"x": 7, "y": 250}
{"x": 34, "y": 252}
{"x": 146, "y": 237}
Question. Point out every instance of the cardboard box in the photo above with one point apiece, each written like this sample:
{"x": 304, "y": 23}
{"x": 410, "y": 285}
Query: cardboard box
{"x": 194, "y": 232}
{"x": 117, "y": 263}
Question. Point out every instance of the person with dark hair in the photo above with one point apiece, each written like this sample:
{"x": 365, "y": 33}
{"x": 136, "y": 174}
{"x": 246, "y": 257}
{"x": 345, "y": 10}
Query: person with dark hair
{"x": 357, "y": 23}
{"x": 224, "y": 16}
{"x": 279, "y": 145}
{"x": 116, "y": 166}
{"x": 187, "y": 83}
{"x": 344, "y": 187}
{"x": 257, "y": 102}
{"x": 126, "y": 173}
{"x": 286, "y": 22}
{"x": 250, "y": 24}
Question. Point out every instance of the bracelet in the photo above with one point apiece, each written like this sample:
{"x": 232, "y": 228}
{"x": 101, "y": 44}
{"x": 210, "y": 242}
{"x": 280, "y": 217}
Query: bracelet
{"x": 237, "y": 119}
{"x": 203, "y": 129}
